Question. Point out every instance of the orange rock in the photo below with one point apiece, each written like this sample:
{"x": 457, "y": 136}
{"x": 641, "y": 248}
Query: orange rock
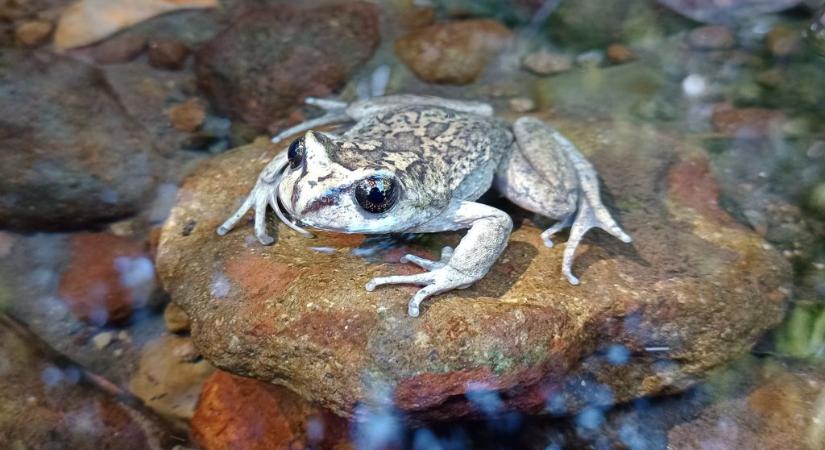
{"x": 619, "y": 54}
{"x": 33, "y": 33}
{"x": 107, "y": 277}
{"x": 188, "y": 116}
{"x": 453, "y": 52}
{"x": 240, "y": 413}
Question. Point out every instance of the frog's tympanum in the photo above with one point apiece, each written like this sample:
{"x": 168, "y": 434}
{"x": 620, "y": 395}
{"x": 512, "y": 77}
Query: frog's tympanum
{"x": 418, "y": 164}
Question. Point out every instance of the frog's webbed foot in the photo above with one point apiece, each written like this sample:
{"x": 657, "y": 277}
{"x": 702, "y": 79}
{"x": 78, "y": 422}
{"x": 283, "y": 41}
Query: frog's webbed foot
{"x": 548, "y": 175}
{"x": 486, "y": 238}
{"x": 263, "y": 195}
{"x": 436, "y": 281}
{"x": 588, "y": 216}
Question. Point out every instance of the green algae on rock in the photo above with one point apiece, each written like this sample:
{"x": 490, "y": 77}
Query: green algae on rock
{"x": 695, "y": 290}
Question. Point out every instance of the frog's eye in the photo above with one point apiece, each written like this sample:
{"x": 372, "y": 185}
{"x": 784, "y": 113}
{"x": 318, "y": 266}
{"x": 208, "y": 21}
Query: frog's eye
{"x": 295, "y": 154}
{"x": 377, "y": 193}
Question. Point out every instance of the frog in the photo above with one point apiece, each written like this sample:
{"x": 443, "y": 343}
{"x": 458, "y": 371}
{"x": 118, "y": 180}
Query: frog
{"x": 419, "y": 164}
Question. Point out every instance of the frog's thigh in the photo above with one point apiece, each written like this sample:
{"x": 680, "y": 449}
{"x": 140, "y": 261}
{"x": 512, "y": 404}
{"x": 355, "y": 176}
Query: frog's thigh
{"x": 369, "y": 107}
{"x": 538, "y": 176}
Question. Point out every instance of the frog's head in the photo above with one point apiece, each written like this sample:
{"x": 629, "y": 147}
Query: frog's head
{"x": 323, "y": 194}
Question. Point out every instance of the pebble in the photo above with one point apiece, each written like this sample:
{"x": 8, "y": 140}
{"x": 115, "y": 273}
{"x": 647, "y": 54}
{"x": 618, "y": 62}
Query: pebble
{"x": 711, "y": 37}
{"x": 188, "y": 116}
{"x": 102, "y": 340}
{"x": 176, "y": 320}
{"x": 167, "y": 54}
{"x": 522, "y": 104}
{"x": 619, "y": 54}
{"x": 33, "y": 33}
{"x": 545, "y": 62}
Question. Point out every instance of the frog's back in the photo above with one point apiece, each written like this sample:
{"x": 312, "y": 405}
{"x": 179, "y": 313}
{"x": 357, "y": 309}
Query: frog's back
{"x": 457, "y": 151}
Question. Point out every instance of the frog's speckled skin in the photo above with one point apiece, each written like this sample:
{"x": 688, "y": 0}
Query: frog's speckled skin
{"x": 443, "y": 154}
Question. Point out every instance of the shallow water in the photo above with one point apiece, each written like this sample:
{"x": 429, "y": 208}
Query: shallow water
{"x": 128, "y": 323}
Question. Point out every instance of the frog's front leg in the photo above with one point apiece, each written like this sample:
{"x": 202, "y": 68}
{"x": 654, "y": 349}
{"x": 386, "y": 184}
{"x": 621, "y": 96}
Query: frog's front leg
{"x": 489, "y": 230}
{"x": 546, "y": 174}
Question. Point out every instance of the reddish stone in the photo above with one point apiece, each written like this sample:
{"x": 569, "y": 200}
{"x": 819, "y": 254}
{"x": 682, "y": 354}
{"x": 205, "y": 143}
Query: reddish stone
{"x": 692, "y": 184}
{"x": 102, "y": 284}
{"x": 746, "y": 122}
{"x": 237, "y": 413}
{"x": 453, "y": 52}
{"x": 188, "y": 116}
{"x": 619, "y": 54}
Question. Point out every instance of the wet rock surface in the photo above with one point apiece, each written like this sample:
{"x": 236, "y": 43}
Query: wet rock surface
{"x": 238, "y": 413}
{"x": 264, "y": 65}
{"x": 695, "y": 289}
{"x": 70, "y": 156}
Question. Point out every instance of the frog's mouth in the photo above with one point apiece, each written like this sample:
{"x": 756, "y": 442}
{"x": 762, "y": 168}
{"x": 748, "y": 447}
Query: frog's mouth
{"x": 276, "y": 204}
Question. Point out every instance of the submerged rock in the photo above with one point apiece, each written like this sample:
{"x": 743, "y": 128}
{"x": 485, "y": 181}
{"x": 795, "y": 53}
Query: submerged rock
{"x": 238, "y": 413}
{"x": 694, "y": 290}
{"x": 70, "y": 155}
{"x": 453, "y": 52}
{"x": 262, "y": 67}
{"x": 170, "y": 377}
{"x": 107, "y": 278}
{"x": 49, "y": 403}
{"x": 783, "y": 412}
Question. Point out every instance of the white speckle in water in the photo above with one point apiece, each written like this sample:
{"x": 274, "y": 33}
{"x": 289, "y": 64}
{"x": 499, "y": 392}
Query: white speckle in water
{"x": 694, "y": 85}
{"x": 325, "y": 250}
{"x": 220, "y": 286}
{"x": 135, "y": 272}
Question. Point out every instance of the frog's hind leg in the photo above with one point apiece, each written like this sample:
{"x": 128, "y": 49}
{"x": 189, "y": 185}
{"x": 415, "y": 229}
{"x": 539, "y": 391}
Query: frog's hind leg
{"x": 546, "y": 174}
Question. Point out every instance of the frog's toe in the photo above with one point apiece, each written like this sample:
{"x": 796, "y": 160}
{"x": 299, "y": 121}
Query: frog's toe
{"x": 428, "y": 264}
{"x": 435, "y": 282}
{"x": 548, "y": 234}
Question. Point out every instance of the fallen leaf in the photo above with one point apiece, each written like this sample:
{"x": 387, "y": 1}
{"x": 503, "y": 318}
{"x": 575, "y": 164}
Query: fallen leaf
{"x": 88, "y": 21}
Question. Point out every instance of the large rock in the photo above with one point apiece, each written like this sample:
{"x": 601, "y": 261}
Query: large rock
{"x": 268, "y": 61}
{"x": 695, "y": 289}
{"x": 70, "y": 156}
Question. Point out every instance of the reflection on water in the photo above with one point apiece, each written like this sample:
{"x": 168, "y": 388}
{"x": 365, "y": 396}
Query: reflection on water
{"x": 705, "y": 119}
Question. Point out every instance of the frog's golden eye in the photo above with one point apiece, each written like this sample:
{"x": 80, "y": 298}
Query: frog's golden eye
{"x": 377, "y": 193}
{"x": 295, "y": 154}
